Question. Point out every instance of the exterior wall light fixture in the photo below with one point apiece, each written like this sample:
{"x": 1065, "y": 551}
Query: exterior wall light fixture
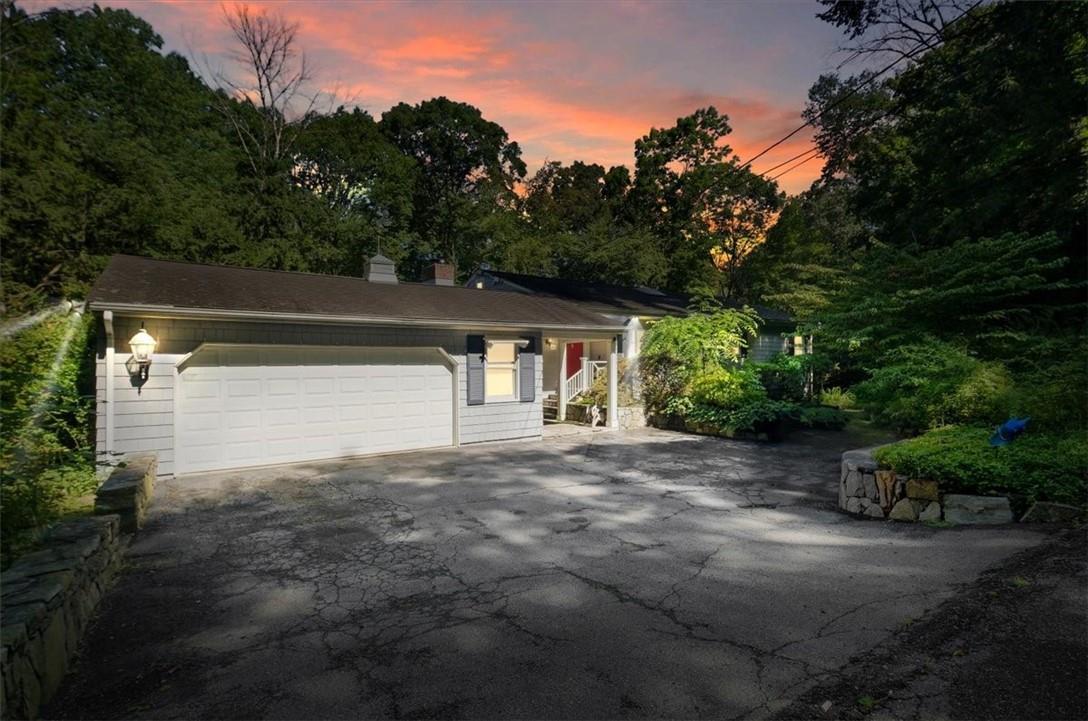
{"x": 142, "y": 345}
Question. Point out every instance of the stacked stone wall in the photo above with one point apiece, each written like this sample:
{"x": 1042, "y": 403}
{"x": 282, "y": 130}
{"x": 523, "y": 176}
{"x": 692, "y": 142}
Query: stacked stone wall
{"x": 866, "y": 489}
{"x": 48, "y": 598}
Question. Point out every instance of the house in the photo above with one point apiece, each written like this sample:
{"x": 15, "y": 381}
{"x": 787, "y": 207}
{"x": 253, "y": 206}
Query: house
{"x": 584, "y": 358}
{"x": 237, "y": 367}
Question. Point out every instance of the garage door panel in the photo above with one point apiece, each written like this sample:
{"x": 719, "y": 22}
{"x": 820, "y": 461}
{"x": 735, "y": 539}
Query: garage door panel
{"x": 244, "y": 407}
{"x": 202, "y": 388}
{"x": 237, "y": 388}
{"x": 243, "y": 450}
{"x": 242, "y": 419}
{"x": 353, "y": 385}
{"x": 312, "y": 386}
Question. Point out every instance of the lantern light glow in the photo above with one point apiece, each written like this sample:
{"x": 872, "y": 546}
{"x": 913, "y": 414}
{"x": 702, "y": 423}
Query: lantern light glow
{"x": 142, "y": 345}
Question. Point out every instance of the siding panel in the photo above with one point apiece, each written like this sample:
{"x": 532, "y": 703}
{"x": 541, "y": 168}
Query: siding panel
{"x": 143, "y": 417}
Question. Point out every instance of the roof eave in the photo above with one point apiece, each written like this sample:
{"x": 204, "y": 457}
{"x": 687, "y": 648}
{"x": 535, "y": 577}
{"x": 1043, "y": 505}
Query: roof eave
{"x": 275, "y": 316}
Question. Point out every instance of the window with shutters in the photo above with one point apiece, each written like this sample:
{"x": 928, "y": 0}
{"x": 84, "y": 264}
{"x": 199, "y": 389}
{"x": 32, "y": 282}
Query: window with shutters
{"x": 501, "y": 371}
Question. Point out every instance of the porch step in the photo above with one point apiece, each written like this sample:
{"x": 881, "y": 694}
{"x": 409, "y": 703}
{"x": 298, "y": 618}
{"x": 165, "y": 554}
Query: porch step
{"x": 551, "y": 407}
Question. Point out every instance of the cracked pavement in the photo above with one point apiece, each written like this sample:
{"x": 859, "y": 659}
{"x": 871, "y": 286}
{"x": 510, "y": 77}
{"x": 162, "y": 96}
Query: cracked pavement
{"x": 645, "y": 574}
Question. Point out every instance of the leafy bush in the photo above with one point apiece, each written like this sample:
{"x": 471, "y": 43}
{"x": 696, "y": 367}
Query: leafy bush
{"x": 46, "y": 454}
{"x": 701, "y": 340}
{"x": 927, "y": 385}
{"x": 1038, "y": 466}
{"x": 727, "y": 387}
{"x": 745, "y": 417}
{"x": 821, "y": 417}
{"x": 784, "y": 376}
{"x": 664, "y": 382}
{"x": 1052, "y": 392}
{"x": 838, "y": 398}
{"x": 676, "y": 349}
{"x": 598, "y": 390}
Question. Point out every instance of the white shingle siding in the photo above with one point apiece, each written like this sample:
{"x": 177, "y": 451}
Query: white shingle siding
{"x": 765, "y": 345}
{"x": 144, "y": 418}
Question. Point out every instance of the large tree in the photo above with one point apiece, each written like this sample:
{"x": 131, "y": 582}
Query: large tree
{"x": 108, "y": 146}
{"x": 467, "y": 169}
{"x": 952, "y": 206}
{"x": 704, "y": 207}
{"x": 364, "y": 182}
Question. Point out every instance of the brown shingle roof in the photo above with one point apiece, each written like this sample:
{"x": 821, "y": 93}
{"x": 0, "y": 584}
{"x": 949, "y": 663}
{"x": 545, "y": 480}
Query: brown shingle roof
{"x": 135, "y": 281}
{"x": 607, "y": 298}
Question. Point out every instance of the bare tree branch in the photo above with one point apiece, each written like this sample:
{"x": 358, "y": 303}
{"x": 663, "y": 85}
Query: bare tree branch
{"x": 267, "y": 100}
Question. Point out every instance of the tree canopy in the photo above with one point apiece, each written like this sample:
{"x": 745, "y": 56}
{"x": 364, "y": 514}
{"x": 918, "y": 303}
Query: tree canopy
{"x": 110, "y": 145}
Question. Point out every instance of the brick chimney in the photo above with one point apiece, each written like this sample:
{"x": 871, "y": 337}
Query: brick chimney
{"x": 440, "y": 273}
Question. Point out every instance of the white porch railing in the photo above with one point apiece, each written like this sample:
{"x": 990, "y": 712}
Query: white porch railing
{"x": 596, "y": 370}
{"x": 585, "y": 376}
{"x": 576, "y": 384}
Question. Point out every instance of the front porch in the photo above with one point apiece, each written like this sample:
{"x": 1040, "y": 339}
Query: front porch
{"x": 572, "y": 366}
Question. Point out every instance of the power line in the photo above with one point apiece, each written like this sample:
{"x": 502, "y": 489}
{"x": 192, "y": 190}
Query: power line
{"x": 895, "y": 110}
{"x": 789, "y": 160}
{"x": 793, "y": 167}
{"x": 922, "y": 46}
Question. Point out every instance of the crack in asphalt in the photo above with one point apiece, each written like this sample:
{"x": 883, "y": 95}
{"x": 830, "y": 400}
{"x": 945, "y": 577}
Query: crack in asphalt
{"x": 330, "y": 567}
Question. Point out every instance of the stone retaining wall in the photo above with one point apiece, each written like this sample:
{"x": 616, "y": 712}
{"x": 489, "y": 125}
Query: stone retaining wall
{"x": 127, "y": 492}
{"x": 48, "y": 597}
{"x": 868, "y": 490}
{"x": 629, "y": 416}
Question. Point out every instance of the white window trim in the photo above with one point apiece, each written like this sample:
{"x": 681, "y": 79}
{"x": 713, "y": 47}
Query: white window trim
{"x": 515, "y": 366}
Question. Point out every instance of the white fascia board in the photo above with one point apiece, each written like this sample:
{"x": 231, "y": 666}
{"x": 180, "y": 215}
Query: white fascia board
{"x": 214, "y": 345}
{"x": 153, "y": 311}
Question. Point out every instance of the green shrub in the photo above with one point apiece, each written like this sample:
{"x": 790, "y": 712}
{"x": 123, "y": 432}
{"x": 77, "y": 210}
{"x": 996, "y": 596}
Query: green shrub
{"x": 676, "y": 349}
{"x": 664, "y": 380}
{"x": 932, "y": 384}
{"x": 727, "y": 387}
{"x": 821, "y": 417}
{"x": 701, "y": 340}
{"x": 1036, "y": 467}
{"x": 839, "y": 398}
{"x": 745, "y": 417}
{"x": 1052, "y": 392}
{"x": 46, "y": 453}
{"x": 784, "y": 377}
{"x": 598, "y": 390}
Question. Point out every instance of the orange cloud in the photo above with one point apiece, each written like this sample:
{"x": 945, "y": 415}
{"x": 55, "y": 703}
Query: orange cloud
{"x": 568, "y": 82}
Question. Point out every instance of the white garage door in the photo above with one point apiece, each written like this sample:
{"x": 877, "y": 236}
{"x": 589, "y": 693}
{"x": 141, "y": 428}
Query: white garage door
{"x": 249, "y": 406}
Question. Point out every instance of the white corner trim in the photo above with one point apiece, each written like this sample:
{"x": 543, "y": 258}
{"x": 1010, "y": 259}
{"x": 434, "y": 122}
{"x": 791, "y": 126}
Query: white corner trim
{"x": 107, "y": 321}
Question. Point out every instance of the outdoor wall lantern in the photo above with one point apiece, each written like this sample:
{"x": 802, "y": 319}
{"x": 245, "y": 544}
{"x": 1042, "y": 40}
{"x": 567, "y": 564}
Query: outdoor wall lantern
{"x": 142, "y": 345}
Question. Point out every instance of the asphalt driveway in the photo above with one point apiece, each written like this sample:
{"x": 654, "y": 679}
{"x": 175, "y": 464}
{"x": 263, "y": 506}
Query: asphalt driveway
{"x": 603, "y": 575}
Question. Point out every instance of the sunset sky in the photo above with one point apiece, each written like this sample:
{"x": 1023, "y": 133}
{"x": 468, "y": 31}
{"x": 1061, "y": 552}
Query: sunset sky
{"x": 568, "y": 80}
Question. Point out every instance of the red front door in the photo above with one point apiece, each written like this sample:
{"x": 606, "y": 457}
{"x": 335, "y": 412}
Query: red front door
{"x": 574, "y": 358}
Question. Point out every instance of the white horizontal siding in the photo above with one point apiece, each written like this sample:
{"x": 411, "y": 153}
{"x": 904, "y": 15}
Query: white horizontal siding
{"x": 143, "y": 417}
{"x": 766, "y": 345}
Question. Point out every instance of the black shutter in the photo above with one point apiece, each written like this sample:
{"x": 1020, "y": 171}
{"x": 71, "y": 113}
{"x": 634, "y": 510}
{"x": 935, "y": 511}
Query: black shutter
{"x": 474, "y": 373}
{"x": 527, "y": 372}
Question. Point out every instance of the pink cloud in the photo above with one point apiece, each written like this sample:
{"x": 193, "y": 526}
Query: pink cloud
{"x": 574, "y": 82}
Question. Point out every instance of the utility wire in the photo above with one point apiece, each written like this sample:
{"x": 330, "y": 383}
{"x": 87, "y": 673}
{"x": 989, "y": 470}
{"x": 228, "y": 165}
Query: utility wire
{"x": 892, "y": 111}
{"x": 789, "y": 160}
{"x": 922, "y": 46}
{"x": 793, "y": 167}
